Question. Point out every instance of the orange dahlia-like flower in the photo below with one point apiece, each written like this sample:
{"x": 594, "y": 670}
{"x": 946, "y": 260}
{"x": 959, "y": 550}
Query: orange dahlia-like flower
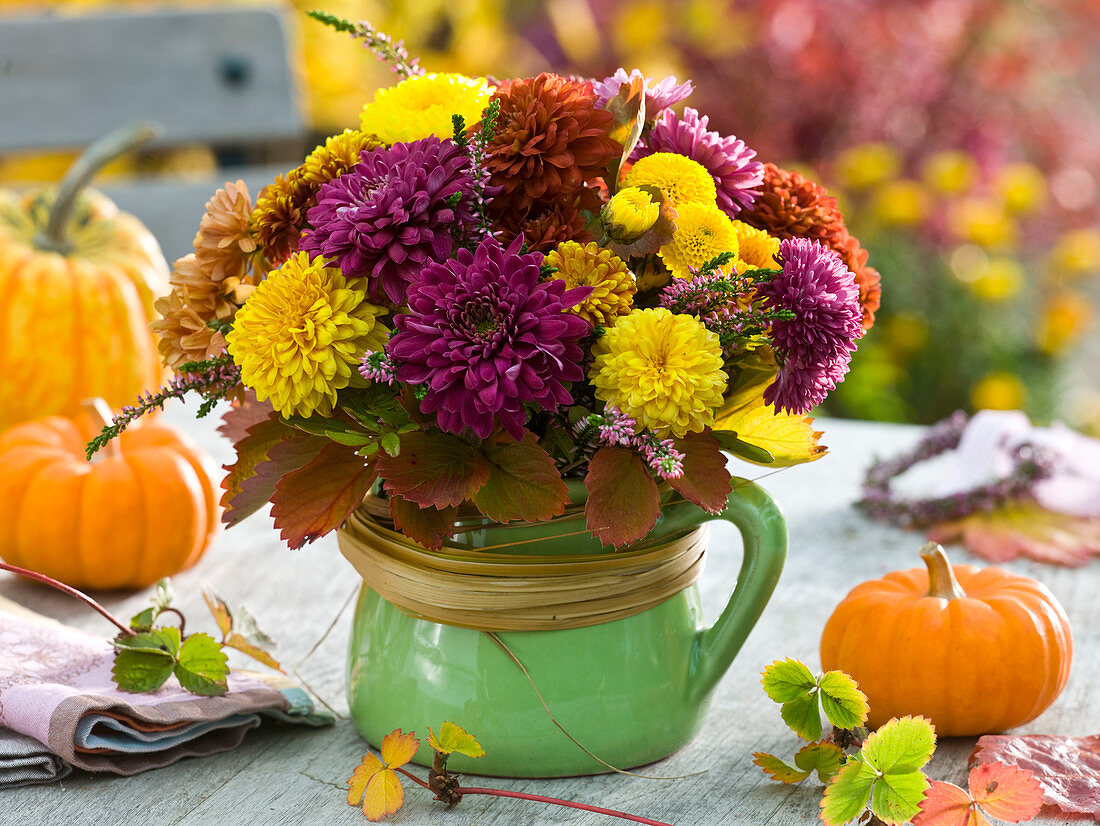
{"x": 790, "y": 206}
{"x": 224, "y": 242}
{"x": 550, "y": 139}
{"x": 279, "y": 216}
{"x": 182, "y": 331}
{"x": 544, "y": 226}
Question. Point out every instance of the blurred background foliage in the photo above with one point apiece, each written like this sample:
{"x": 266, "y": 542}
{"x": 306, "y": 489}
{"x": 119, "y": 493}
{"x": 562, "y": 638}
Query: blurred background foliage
{"x": 962, "y": 138}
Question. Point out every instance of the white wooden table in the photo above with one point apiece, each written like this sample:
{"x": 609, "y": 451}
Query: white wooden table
{"x": 290, "y": 775}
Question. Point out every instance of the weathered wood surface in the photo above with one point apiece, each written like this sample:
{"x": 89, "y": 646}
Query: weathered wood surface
{"x": 283, "y": 775}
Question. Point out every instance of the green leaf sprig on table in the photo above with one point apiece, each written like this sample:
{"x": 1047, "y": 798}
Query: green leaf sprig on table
{"x": 149, "y": 654}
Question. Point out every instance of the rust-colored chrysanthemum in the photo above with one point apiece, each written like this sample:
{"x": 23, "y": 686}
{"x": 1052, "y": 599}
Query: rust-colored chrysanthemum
{"x": 224, "y": 242}
{"x": 791, "y": 206}
{"x": 182, "y": 331}
{"x": 331, "y": 159}
{"x": 279, "y": 216}
{"x": 544, "y": 226}
{"x": 550, "y": 139}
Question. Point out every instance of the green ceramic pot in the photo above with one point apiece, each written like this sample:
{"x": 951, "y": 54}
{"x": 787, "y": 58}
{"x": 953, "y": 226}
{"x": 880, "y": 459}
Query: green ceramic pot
{"x": 631, "y": 691}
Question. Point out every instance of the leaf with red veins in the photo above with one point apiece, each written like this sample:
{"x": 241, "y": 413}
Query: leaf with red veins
{"x": 1006, "y": 792}
{"x": 1066, "y": 768}
{"x": 945, "y": 804}
{"x": 244, "y": 494}
{"x": 623, "y": 501}
{"x": 705, "y": 481}
{"x": 524, "y": 483}
{"x": 424, "y": 525}
{"x": 434, "y": 468}
{"x": 316, "y": 499}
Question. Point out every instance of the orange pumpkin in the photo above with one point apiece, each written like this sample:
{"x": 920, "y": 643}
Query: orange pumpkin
{"x": 145, "y": 507}
{"x": 975, "y": 650}
{"x": 78, "y": 279}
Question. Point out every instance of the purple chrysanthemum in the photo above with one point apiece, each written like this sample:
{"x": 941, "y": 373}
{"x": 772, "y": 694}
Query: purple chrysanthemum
{"x": 813, "y": 348}
{"x": 486, "y": 336}
{"x": 736, "y": 175}
{"x": 389, "y": 215}
{"x": 659, "y": 94}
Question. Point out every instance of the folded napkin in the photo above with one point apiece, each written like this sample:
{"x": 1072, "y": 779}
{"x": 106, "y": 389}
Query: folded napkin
{"x": 56, "y": 689}
{"x": 26, "y": 762}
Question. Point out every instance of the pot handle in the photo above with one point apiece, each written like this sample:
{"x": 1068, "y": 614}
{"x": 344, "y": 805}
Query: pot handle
{"x": 764, "y": 534}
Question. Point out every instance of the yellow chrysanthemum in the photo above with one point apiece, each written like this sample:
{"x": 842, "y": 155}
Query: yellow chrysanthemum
{"x": 631, "y": 211}
{"x": 611, "y": 281}
{"x": 301, "y": 334}
{"x": 334, "y": 157}
{"x": 421, "y": 106}
{"x": 683, "y": 180}
{"x": 755, "y": 248}
{"x": 661, "y": 368}
{"x": 702, "y": 232}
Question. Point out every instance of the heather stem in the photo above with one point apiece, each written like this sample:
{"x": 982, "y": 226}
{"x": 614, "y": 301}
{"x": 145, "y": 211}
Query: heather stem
{"x": 61, "y": 586}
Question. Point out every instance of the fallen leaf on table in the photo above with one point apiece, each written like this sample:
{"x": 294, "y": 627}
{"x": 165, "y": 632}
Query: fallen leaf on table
{"x": 825, "y": 757}
{"x": 1067, "y": 768}
{"x": 998, "y": 790}
{"x": 375, "y": 782}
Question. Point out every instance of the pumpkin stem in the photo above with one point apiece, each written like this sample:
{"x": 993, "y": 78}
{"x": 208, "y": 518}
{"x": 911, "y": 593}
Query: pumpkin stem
{"x": 941, "y": 578}
{"x": 100, "y": 416}
{"x": 99, "y": 153}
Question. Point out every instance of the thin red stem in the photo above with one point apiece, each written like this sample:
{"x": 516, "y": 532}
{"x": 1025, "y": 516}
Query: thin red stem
{"x": 413, "y": 778}
{"x": 538, "y": 798}
{"x": 61, "y": 586}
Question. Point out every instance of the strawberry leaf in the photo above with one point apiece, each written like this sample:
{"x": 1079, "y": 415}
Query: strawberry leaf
{"x": 705, "y": 481}
{"x": 904, "y": 744}
{"x": 623, "y": 501}
{"x": 144, "y": 661}
{"x": 202, "y": 668}
{"x": 398, "y": 748}
{"x": 1006, "y": 792}
{"x": 378, "y": 787}
{"x": 847, "y": 793}
{"x": 785, "y": 680}
{"x": 241, "y": 643}
{"x": 524, "y": 483}
{"x": 316, "y": 499}
{"x": 897, "y": 795}
{"x": 845, "y": 706}
{"x": 219, "y": 609}
{"x": 776, "y": 769}
{"x": 802, "y": 716}
{"x": 426, "y": 526}
{"x": 945, "y": 804}
{"x": 453, "y": 739}
{"x": 434, "y": 468}
{"x": 824, "y": 758}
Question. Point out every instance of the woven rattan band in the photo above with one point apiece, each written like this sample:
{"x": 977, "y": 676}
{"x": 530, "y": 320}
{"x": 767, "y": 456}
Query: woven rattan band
{"x": 489, "y": 591}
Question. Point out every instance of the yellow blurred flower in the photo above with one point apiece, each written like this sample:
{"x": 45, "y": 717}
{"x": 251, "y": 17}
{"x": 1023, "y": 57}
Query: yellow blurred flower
{"x": 901, "y": 203}
{"x": 1002, "y": 278}
{"x": 715, "y": 28}
{"x": 998, "y": 391}
{"x": 611, "y": 281}
{"x": 983, "y": 221}
{"x": 951, "y": 171}
{"x": 421, "y": 106}
{"x": 662, "y": 369}
{"x": 702, "y": 232}
{"x": 301, "y": 334}
{"x": 1021, "y": 186}
{"x": 641, "y": 27}
{"x": 1077, "y": 252}
{"x": 868, "y": 164}
{"x": 906, "y": 332}
{"x": 683, "y": 180}
{"x": 1064, "y": 318}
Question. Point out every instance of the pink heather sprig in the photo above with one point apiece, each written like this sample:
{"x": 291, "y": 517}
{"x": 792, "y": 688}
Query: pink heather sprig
{"x": 378, "y": 367}
{"x": 614, "y": 428}
{"x": 386, "y": 48}
{"x": 213, "y": 379}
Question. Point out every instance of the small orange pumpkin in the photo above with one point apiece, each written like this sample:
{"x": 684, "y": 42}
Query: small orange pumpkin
{"x": 145, "y": 507}
{"x": 79, "y": 279}
{"x": 975, "y": 650}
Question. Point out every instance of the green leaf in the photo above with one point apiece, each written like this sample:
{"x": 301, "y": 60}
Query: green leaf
{"x": 165, "y": 640}
{"x": 350, "y": 439}
{"x": 845, "y": 706}
{"x": 705, "y": 482}
{"x": 623, "y": 501}
{"x": 785, "y": 680}
{"x": 144, "y": 661}
{"x": 202, "y": 668}
{"x": 164, "y": 595}
{"x": 434, "y": 468}
{"x": 524, "y": 483}
{"x": 803, "y": 717}
{"x": 897, "y": 795}
{"x": 742, "y": 449}
{"x": 847, "y": 794}
{"x": 900, "y": 745}
{"x": 776, "y": 769}
{"x": 454, "y": 739}
{"x": 143, "y": 620}
{"x": 824, "y": 758}
{"x": 391, "y": 443}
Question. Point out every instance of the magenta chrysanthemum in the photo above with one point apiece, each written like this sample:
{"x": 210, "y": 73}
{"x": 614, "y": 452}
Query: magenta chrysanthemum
{"x": 814, "y": 347}
{"x": 659, "y": 94}
{"x": 736, "y": 175}
{"x": 391, "y": 214}
{"x": 485, "y": 336}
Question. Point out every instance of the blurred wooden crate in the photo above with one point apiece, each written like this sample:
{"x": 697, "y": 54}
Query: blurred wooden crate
{"x": 217, "y": 77}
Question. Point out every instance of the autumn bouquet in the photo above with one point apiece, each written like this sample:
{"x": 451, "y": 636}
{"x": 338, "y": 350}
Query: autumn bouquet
{"x": 492, "y": 287}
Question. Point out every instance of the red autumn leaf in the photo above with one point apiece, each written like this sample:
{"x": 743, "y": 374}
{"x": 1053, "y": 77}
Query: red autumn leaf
{"x": 434, "y": 468}
{"x": 242, "y": 415}
{"x": 524, "y": 483}
{"x": 316, "y": 499}
{"x": 706, "y": 482}
{"x": 1067, "y": 768}
{"x": 623, "y": 501}
{"x": 945, "y": 804}
{"x": 423, "y": 524}
{"x": 252, "y": 449}
{"x": 256, "y": 486}
{"x": 1006, "y": 792}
